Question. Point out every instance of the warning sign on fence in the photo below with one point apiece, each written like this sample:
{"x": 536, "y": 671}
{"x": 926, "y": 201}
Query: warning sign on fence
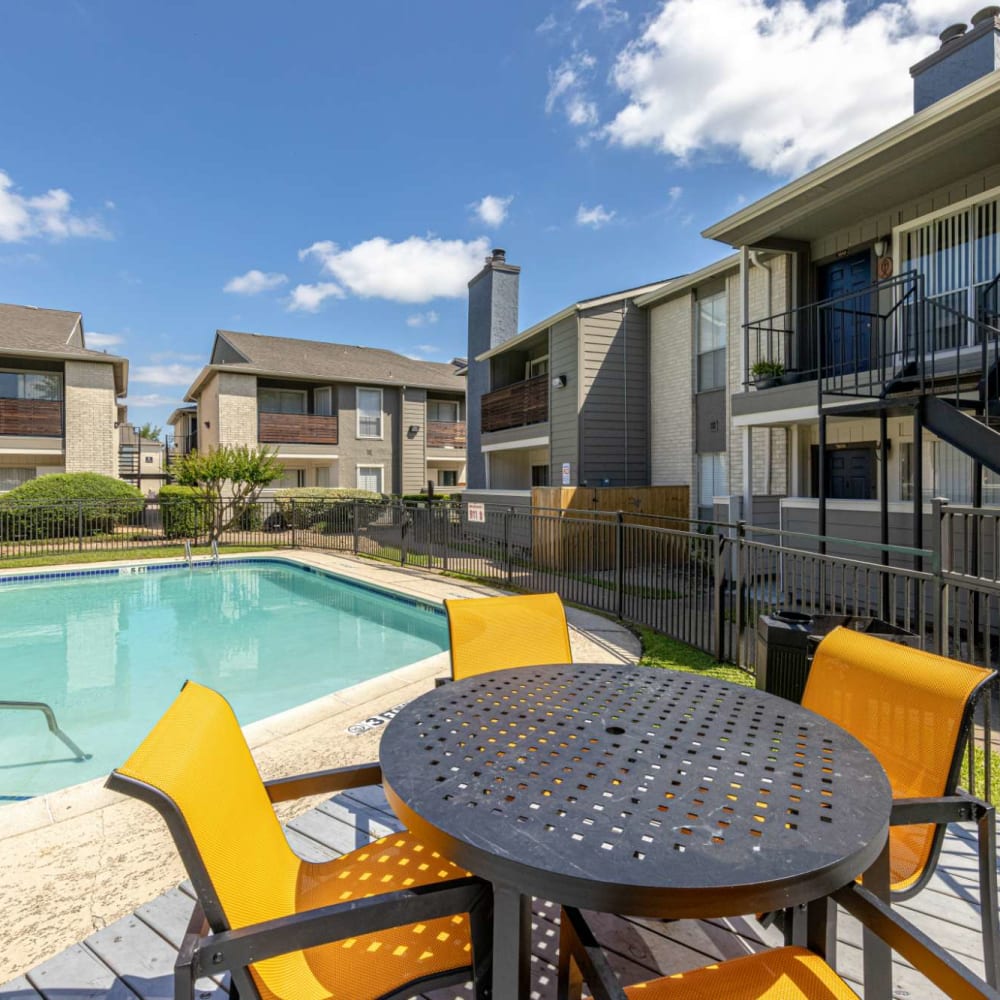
{"x": 477, "y": 512}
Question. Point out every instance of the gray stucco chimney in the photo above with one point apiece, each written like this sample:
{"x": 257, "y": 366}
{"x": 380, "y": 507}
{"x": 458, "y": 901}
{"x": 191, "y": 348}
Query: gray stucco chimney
{"x": 492, "y": 321}
{"x": 966, "y": 54}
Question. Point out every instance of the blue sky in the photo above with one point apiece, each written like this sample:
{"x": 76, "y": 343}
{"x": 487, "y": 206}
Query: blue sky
{"x": 337, "y": 171}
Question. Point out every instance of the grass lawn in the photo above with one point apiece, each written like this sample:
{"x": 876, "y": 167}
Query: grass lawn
{"x": 93, "y": 555}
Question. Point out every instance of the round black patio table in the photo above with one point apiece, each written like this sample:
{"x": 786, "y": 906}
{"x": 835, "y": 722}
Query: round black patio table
{"x": 633, "y": 790}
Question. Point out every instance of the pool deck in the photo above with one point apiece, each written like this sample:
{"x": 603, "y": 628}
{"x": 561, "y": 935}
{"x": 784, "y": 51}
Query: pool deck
{"x": 92, "y": 906}
{"x": 79, "y": 859}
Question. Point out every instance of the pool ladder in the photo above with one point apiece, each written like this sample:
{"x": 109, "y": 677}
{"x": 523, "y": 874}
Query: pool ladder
{"x": 50, "y": 718}
{"x": 187, "y": 551}
{"x": 215, "y": 552}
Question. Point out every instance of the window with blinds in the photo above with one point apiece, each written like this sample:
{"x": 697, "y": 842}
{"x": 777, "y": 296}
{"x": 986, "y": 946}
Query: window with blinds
{"x": 369, "y": 413}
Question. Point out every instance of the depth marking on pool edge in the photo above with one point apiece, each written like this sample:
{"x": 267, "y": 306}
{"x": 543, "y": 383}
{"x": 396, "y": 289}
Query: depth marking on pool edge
{"x": 374, "y": 721}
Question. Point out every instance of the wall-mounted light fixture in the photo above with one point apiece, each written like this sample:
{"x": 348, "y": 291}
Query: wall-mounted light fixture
{"x": 559, "y": 381}
{"x": 880, "y": 246}
{"x": 414, "y": 430}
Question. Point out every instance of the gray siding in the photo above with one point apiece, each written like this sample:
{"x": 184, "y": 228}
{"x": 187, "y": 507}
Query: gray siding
{"x": 413, "y": 448}
{"x": 614, "y": 412}
{"x": 355, "y": 451}
{"x": 564, "y": 426}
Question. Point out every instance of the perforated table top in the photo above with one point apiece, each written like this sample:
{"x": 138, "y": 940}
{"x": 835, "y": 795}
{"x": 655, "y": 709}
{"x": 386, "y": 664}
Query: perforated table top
{"x": 636, "y": 790}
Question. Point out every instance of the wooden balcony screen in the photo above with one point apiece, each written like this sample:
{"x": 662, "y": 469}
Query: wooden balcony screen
{"x": 31, "y": 417}
{"x": 517, "y": 405}
{"x": 296, "y": 428}
{"x": 445, "y": 433}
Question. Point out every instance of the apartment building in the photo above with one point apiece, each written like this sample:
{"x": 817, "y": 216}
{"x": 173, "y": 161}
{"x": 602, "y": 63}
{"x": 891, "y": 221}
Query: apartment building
{"x": 563, "y": 402}
{"x": 338, "y": 415}
{"x": 58, "y": 399}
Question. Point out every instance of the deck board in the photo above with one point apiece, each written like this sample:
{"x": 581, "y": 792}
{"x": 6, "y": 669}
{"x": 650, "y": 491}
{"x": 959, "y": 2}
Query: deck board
{"x": 132, "y": 959}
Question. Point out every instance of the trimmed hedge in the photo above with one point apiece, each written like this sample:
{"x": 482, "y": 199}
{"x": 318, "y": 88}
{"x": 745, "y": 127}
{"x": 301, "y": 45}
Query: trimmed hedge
{"x": 315, "y": 504}
{"x": 68, "y": 503}
{"x": 185, "y": 510}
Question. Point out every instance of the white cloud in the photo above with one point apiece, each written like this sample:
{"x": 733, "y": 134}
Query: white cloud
{"x": 674, "y": 193}
{"x": 162, "y": 356}
{"x": 98, "y": 341}
{"x": 254, "y": 282}
{"x": 547, "y": 25}
{"x": 568, "y": 90}
{"x": 492, "y": 209}
{"x": 308, "y": 298}
{"x": 417, "y": 269}
{"x": 46, "y": 215}
{"x": 422, "y": 319}
{"x": 609, "y": 10}
{"x": 595, "y": 217}
{"x": 169, "y": 374}
{"x": 151, "y": 399}
{"x": 782, "y": 85}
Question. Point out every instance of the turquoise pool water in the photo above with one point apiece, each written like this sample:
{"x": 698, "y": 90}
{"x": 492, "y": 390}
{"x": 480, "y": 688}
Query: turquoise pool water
{"x": 110, "y": 652}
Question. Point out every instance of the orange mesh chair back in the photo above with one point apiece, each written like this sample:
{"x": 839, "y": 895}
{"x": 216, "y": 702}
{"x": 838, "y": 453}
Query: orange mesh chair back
{"x": 913, "y": 711}
{"x": 494, "y": 633}
{"x": 196, "y": 768}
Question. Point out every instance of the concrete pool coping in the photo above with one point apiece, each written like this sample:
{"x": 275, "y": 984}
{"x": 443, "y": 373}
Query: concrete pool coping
{"x": 81, "y": 857}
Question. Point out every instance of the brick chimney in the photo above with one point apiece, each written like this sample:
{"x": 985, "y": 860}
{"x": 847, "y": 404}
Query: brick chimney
{"x": 492, "y": 321}
{"x": 966, "y": 54}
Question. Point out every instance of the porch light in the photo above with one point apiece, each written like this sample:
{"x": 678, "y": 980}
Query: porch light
{"x": 880, "y": 246}
{"x": 414, "y": 430}
{"x": 559, "y": 382}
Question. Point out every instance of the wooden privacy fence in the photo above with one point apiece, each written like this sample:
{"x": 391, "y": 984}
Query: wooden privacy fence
{"x": 580, "y": 550}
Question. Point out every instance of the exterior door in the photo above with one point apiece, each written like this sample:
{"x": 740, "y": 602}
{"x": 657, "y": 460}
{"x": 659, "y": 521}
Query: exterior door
{"x": 846, "y": 323}
{"x": 850, "y": 473}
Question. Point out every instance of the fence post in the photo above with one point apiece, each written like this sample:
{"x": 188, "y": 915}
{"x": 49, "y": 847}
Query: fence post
{"x": 79, "y": 525}
{"x": 619, "y": 564}
{"x": 940, "y": 559}
{"x": 356, "y": 529}
{"x": 718, "y": 595}
{"x": 402, "y": 533}
{"x": 294, "y": 531}
{"x": 506, "y": 546}
{"x": 741, "y": 534}
{"x": 444, "y": 516}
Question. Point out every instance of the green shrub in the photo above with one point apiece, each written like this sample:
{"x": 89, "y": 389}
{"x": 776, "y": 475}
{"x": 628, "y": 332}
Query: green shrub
{"x": 68, "y": 503}
{"x": 186, "y": 512}
{"x": 320, "y": 503}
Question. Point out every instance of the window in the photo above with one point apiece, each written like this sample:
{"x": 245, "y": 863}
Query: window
{"x": 292, "y": 479}
{"x": 370, "y": 478}
{"x": 712, "y": 482}
{"x": 282, "y": 400}
{"x": 11, "y": 478}
{"x": 369, "y": 414}
{"x": 447, "y": 477}
{"x": 30, "y": 385}
{"x": 906, "y": 470}
{"x": 537, "y": 366}
{"x": 952, "y": 473}
{"x": 443, "y": 410}
{"x": 323, "y": 476}
{"x": 711, "y": 342}
{"x": 539, "y": 475}
{"x": 148, "y": 459}
{"x": 323, "y": 401}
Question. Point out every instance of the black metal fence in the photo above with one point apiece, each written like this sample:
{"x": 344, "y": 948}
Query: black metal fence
{"x": 705, "y": 584}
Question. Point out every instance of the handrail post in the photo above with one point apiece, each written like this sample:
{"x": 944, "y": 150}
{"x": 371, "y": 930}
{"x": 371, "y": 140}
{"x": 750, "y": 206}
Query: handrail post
{"x": 719, "y": 579}
{"x": 941, "y": 558}
{"x": 619, "y": 564}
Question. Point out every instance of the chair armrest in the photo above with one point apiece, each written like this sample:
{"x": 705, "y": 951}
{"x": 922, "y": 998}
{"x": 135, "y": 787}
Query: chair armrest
{"x": 238, "y": 948}
{"x": 578, "y": 944}
{"x": 916, "y": 947}
{"x": 939, "y": 809}
{"x": 336, "y": 779}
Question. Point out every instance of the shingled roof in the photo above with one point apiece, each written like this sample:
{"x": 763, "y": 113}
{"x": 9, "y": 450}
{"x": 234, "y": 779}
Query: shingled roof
{"x": 51, "y": 333}
{"x": 322, "y": 361}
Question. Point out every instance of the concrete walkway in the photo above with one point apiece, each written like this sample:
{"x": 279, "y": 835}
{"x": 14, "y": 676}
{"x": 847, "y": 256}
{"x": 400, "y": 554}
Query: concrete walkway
{"x": 79, "y": 859}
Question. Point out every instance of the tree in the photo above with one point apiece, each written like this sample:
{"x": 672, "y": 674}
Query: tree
{"x": 149, "y": 433}
{"x": 230, "y": 478}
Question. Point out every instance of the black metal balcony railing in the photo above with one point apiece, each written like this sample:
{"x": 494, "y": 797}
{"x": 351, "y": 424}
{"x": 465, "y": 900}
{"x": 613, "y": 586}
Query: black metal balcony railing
{"x": 516, "y": 405}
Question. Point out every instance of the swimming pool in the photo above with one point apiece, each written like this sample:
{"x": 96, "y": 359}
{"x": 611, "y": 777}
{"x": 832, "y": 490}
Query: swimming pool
{"x": 109, "y": 649}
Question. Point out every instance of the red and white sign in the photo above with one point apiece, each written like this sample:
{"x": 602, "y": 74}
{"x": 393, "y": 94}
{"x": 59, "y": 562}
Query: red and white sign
{"x": 477, "y": 512}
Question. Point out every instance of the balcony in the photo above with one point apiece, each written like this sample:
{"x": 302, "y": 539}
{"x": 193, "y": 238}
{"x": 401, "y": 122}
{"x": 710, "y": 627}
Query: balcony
{"x": 296, "y": 428}
{"x": 516, "y": 405}
{"x": 31, "y": 417}
{"x": 445, "y": 434}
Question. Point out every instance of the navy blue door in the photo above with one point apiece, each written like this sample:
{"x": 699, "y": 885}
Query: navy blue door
{"x": 846, "y": 323}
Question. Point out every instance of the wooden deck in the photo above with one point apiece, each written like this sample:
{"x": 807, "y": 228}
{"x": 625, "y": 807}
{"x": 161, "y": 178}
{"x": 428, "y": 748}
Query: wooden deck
{"x": 133, "y": 957}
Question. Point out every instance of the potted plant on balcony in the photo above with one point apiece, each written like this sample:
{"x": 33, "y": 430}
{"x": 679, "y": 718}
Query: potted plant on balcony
{"x": 767, "y": 374}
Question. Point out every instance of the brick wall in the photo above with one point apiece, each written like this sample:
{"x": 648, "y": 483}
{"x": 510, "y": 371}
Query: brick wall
{"x": 91, "y": 412}
{"x": 237, "y": 409}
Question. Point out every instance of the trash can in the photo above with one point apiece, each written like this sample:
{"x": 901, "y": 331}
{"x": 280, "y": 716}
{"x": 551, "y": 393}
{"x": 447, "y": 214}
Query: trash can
{"x": 787, "y": 640}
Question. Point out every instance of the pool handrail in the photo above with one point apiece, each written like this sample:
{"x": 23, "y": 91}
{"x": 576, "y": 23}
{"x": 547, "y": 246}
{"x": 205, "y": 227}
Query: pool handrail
{"x": 50, "y": 718}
